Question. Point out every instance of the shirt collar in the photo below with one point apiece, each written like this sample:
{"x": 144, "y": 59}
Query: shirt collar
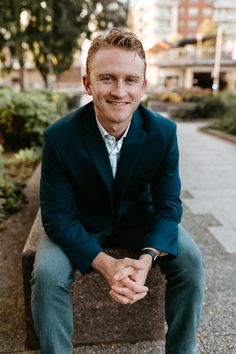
{"x": 105, "y": 133}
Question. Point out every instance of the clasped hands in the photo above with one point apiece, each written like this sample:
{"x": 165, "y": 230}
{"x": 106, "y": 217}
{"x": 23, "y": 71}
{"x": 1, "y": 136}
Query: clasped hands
{"x": 126, "y": 276}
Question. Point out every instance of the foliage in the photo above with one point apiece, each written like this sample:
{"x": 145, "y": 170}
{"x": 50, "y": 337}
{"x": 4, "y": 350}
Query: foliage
{"x": 53, "y": 29}
{"x": 172, "y": 97}
{"x": 227, "y": 123}
{"x": 195, "y": 95}
{"x": 13, "y": 173}
{"x": 25, "y": 115}
{"x": 11, "y": 196}
{"x": 206, "y": 107}
{"x": 12, "y": 33}
{"x": 10, "y": 200}
{"x": 27, "y": 157}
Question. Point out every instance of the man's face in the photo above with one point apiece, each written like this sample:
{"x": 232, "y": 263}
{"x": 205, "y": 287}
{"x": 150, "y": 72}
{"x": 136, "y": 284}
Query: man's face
{"x": 116, "y": 83}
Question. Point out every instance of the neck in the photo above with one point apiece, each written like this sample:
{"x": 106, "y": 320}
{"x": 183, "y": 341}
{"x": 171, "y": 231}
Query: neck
{"x": 115, "y": 129}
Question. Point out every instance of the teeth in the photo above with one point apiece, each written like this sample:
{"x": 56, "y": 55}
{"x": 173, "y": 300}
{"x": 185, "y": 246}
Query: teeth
{"x": 117, "y": 103}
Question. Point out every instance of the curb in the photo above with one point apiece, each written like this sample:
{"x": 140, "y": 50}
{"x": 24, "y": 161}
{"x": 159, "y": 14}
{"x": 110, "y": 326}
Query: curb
{"x": 219, "y": 134}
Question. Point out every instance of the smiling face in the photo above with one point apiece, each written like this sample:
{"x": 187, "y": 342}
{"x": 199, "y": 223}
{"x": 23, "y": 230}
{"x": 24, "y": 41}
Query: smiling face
{"x": 116, "y": 82}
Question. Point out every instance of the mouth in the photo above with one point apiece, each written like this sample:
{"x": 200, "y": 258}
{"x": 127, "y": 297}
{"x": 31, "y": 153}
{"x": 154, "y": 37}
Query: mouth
{"x": 118, "y": 103}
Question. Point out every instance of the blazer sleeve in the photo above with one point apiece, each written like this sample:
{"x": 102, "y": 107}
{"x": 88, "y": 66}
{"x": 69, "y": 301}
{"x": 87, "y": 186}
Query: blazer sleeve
{"x": 165, "y": 190}
{"x": 58, "y": 208}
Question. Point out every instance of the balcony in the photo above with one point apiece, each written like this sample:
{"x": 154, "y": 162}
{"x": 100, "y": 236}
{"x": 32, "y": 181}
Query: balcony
{"x": 190, "y": 56}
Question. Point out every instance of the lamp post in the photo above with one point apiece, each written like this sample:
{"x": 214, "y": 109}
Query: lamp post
{"x": 216, "y": 70}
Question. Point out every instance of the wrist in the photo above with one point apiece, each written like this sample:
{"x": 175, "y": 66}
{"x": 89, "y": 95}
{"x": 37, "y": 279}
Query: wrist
{"x": 102, "y": 261}
{"x": 146, "y": 260}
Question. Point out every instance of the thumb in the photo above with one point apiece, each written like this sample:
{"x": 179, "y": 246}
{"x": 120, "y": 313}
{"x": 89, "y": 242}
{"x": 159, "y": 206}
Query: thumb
{"x": 135, "y": 263}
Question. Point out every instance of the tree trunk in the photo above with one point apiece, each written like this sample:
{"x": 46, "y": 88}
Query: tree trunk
{"x": 45, "y": 79}
{"x": 20, "y": 57}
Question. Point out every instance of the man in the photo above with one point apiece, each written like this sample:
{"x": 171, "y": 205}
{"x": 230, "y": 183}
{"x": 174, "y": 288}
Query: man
{"x": 110, "y": 177}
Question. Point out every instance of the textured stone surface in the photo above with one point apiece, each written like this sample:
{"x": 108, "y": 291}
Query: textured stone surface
{"x": 97, "y": 317}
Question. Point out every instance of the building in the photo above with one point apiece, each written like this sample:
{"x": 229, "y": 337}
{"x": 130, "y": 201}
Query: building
{"x": 191, "y": 15}
{"x": 225, "y": 16}
{"x": 154, "y": 21}
{"x": 190, "y": 62}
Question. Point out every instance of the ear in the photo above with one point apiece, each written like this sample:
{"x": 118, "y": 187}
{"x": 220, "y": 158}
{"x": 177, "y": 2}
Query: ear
{"x": 144, "y": 87}
{"x": 86, "y": 83}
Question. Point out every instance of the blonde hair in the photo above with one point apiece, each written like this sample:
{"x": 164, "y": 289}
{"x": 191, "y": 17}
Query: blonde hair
{"x": 115, "y": 38}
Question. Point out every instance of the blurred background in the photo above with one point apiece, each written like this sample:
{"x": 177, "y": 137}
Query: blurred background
{"x": 191, "y": 73}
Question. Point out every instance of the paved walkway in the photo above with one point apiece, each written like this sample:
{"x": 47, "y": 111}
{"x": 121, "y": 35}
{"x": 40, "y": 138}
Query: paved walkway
{"x": 208, "y": 170}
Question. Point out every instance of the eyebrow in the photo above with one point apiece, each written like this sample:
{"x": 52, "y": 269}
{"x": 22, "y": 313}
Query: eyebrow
{"x": 113, "y": 74}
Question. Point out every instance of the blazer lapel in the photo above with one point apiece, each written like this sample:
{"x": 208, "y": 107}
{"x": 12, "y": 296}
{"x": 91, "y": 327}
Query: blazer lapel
{"x": 96, "y": 147}
{"x": 130, "y": 151}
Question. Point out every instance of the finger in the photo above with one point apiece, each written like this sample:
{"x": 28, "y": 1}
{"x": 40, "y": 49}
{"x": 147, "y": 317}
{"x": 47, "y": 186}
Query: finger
{"x": 119, "y": 298}
{"x": 126, "y": 272}
{"x": 135, "y": 263}
{"x": 134, "y": 286}
{"x": 128, "y": 294}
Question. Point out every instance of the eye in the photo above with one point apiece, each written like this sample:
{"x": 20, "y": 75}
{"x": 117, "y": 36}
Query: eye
{"x": 107, "y": 78}
{"x": 131, "y": 80}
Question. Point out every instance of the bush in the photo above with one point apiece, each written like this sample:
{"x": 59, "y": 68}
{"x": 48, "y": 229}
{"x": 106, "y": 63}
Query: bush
{"x": 27, "y": 157}
{"x": 227, "y": 123}
{"x": 172, "y": 97}
{"x": 58, "y": 98}
{"x": 13, "y": 173}
{"x": 207, "y": 107}
{"x": 10, "y": 198}
{"x": 25, "y": 115}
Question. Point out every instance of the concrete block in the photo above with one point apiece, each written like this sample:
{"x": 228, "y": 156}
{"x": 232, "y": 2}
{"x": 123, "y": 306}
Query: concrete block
{"x": 97, "y": 318}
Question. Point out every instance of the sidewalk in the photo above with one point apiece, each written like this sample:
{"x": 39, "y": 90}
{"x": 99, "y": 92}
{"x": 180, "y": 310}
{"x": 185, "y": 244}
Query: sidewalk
{"x": 208, "y": 171}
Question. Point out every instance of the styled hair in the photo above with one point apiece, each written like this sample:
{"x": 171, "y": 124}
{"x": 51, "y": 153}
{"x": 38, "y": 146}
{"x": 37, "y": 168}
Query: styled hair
{"x": 119, "y": 39}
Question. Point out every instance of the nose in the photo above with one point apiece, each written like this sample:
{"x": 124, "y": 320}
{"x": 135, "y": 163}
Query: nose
{"x": 118, "y": 89}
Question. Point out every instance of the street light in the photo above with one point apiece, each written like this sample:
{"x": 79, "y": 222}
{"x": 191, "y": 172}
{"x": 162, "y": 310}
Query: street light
{"x": 216, "y": 70}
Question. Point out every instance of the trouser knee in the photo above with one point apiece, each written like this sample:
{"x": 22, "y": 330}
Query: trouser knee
{"x": 52, "y": 268}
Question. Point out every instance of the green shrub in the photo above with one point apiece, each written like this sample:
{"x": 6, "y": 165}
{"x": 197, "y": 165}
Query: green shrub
{"x": 11, "y": 196}
{"x": 28, "y": 157}
{"x": 207, "y": 107}
{"x": 58, "y": 98}
{"x": 10, "y": 193}
{"x": 25, "y": 115}
{"x": 13, "y": 173}
{"x": 227, "y": 123}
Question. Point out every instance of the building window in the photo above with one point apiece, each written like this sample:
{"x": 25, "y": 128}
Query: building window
{"x": 163, "y": 24}
{"x": 193, "y": 11}
{"x": 207, "y": 11}
{"x": 192, "y": 24}
{"x": 165, "y": 11}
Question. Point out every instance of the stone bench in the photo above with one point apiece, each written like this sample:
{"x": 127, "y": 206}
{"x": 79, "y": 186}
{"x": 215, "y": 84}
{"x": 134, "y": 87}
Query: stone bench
{"x": 97, "y": 318}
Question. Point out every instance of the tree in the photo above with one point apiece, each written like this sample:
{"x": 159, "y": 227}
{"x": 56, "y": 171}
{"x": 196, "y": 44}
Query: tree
{"x": 12, "y": 31}
{"x": 54, "y": 29}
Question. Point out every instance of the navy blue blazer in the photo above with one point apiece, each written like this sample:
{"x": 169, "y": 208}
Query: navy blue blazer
{"x": 80, "y": 198}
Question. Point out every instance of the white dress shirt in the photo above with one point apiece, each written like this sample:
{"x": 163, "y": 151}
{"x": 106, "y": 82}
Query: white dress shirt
{"x": 113, "y": 146}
